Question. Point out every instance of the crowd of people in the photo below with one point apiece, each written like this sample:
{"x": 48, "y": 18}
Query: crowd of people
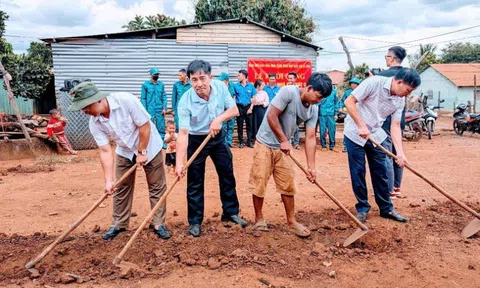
{"x": 205, "y": 106}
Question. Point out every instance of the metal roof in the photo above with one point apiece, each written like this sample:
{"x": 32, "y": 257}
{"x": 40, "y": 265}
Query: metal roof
{"x": 461, "y": 74}
{"x": 169, "y": 32}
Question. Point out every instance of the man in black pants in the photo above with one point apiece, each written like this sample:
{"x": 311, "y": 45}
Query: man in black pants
{"x": 201, "y": 111}
{"x": 244, "y": 91}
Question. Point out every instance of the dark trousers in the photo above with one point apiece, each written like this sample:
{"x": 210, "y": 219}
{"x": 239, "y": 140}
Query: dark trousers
{"x": 248, "y": 118}
{"x": 221, "y": 157}
{"x": 394, "y": 172}
{"x": 378, "y": 173}
{"x": 258, "y": 115}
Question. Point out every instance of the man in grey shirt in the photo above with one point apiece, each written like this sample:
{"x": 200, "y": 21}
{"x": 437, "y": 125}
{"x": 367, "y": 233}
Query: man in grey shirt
{"x": 290, "y": 107}
{"x": 368, "y": 106}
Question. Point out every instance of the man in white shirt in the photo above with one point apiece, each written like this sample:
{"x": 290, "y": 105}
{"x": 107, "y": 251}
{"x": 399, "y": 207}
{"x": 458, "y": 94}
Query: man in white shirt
{"x": 122, "y": 117}
{"x": 368, "y": 106}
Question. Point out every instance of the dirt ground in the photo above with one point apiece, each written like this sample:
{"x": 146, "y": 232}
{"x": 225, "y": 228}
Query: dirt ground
{"x": 41, "y": 197}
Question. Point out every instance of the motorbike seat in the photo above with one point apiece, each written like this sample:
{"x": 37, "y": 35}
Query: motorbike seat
{"x": 412, "y": 114}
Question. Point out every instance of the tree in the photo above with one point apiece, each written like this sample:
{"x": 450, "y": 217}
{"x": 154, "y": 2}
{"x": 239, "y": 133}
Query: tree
{"x": 461, "y": 53}
{"x": 5, "y": 47}
{"x": 41, "y": 50}
{"x": 152, "y": 21}
{"x": 136, "y": 24}
{"x": 361, "y": 72}
{"x": 287, "y": 16}
{"x": 30, "y": 75}
{"x": 3, "y": 19}
{"x": 431, "y": 58}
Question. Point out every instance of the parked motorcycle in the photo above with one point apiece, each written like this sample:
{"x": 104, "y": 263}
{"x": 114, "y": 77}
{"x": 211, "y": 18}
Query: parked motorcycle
{"x": 414, "y": 124}
{"x": 464, "y": 121}
{"x": 430, "y": 116}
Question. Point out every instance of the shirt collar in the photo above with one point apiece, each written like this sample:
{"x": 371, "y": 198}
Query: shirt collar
{"x": 113, "y": 104}
{"x": 388, "y": 86}
{"x": 197, "y": 99}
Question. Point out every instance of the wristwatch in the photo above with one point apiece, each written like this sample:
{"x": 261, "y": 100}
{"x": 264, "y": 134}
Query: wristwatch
{"x": 143, "y": 152}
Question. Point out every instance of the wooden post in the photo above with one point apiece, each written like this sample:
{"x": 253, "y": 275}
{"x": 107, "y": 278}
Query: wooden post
{"x": 349, "y": 59}
{"x": 474, "y": 93}
{"x": 7, "y": 78}
{"x": 439, "y": 101}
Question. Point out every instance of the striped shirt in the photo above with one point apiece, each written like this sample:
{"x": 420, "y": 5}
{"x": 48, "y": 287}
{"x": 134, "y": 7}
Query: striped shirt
{"x": 375, "y": 104}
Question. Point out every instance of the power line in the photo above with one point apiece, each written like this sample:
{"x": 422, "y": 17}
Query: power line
{"x": 367, "y": 39}
{"x": 20, "y": 36}
{"x": 421, "y": 39}
{"x": 416, "y": 45}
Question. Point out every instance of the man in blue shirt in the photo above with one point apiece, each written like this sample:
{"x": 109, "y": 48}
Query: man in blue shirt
{"x": 272, "y": 87}
{"x": 327, "y": 114}
{"x": 179, "y": 88}
{"x": 244, "y": 91}
{"x": 229, "y": 125}
{"x": 154, "y": 99}
{"x": 201, "y": 111}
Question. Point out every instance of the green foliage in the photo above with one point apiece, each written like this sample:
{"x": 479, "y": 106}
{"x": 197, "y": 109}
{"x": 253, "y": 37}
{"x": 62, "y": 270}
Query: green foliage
{"x": 461, "y": 53}
{"x": 41, "y": 50}
{"x": 5, "y": 47}
{"x": 431, "y": 58}
{"x": 30, "y": 75}
{"x": 360, "y": 70}
{"x": 3, "y": 18}
{"x": 152, "y": 21}
{"x": 287, "y": 16}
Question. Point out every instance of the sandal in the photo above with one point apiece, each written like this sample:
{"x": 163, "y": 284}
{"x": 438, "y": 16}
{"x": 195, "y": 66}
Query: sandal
{"x": 299, "y": 230}
{"x": 261, "y": 226}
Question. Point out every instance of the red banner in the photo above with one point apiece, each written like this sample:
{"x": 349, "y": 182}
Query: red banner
{"x": 260, "y": 68}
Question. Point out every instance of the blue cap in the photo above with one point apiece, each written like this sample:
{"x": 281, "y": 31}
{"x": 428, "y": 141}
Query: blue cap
{"x": 154, "y": 71}
{"x": 354, "y": 80}
{"x": 223, "y": 76}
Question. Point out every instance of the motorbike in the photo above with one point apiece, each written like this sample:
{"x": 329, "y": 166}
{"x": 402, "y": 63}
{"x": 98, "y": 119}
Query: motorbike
{"x": 464, "y": 121}
{"x": 430, "y": 116}
{"x": 414, "y": 125}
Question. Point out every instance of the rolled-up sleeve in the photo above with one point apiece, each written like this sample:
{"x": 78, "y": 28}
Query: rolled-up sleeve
{"x": 312, "y": 122}
{"x": 138, "y": 113}
{"x": 365, "y": 89}
{"x": 100, "y": 136}
{"x": 397, "y": 115}
{"x": 228, "y": 100}
{"x": 282, "y": 99}
{"x": 184, "y": 113}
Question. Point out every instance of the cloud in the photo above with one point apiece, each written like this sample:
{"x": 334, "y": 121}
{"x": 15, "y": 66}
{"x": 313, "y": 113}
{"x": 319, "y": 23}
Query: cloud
{"x": 382, "y": 21}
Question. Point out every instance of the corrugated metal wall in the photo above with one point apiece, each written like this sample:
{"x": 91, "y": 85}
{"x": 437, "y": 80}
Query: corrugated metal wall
{"x": 122, "y": 65}
{"x": 24, "y": 105}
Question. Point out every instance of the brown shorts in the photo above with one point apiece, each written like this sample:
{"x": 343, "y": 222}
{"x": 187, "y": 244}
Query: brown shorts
{"x": 267, "y": 161}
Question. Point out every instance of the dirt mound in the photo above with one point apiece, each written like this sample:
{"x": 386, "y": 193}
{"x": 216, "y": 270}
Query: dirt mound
{"x": 86, "y": 258}
{"x": 28, "y": 169}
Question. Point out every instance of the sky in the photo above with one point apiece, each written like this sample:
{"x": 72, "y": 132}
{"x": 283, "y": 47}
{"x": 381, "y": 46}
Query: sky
{"x": 369, "y": 27}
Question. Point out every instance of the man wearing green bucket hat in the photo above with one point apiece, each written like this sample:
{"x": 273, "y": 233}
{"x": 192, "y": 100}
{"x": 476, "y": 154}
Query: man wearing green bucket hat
{"x": 154, "y": 99}
{"x": 122, "y": 117}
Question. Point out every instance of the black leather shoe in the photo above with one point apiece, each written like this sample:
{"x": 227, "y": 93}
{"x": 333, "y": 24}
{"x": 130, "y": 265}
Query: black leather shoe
{"x": 112, "y": 233}
{"x": 235, "y": 219}
{"x": 162, "y": 232}
{"x": 394, "y": 215}
{"x": 362, "y": 217}
{"x": 241, "y": 145}
{"x": 195, "y": 230}
{"x": 250, "y": 145}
